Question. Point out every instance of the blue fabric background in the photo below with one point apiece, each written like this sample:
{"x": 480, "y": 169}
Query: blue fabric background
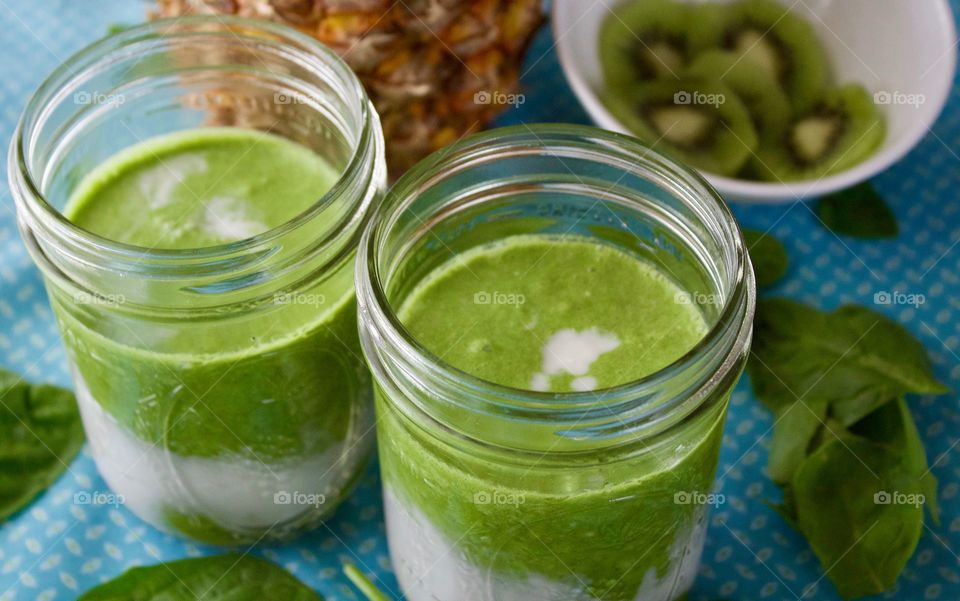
{"x": 57, "y": 549}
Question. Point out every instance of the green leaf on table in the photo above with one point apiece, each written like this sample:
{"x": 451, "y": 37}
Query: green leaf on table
{"x": 40, "y": 434}
{"x": 230, "y": 577}
{"x": 360, "y": 580}
{"x": 893, "y": 426}
{"x": 768, "y": 255}
{"x": 842, "y": 498}
{"x": 859, "y": 211}
{"x": 845, "y": 447}
{"x": 854, "y": 359}
{"x": 794, "y": 433}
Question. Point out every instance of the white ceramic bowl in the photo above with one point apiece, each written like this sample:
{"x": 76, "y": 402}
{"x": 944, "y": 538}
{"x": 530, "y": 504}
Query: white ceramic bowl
{"x": 902, "y": 50}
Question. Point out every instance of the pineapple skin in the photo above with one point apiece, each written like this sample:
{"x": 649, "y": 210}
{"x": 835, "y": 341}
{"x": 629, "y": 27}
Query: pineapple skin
{"x": 426, "y": 64}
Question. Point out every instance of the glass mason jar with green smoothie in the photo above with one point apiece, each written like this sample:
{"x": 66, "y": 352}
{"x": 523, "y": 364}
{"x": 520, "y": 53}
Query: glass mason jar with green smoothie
{"x": 194, "y": 192}
{"x": 554, "y": 317}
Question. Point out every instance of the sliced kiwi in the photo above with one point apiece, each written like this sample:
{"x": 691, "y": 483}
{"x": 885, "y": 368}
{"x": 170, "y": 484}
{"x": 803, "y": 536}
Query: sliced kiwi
{"x": 642, "y": 41}
{"x": 781, "y": 44}
{"x": 702, "y": 123}
{"x": 768, "y": 104}
{"x": 839, "y": 131}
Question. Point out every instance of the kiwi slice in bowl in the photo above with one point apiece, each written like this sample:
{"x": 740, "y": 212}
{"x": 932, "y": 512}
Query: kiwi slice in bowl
{"x": 783, "y": 45}
{"x": 842, "y": 129}
{"x": 768, "y": 104}
{"x": 644, "y": 40}
{"x": 702, "y": 123}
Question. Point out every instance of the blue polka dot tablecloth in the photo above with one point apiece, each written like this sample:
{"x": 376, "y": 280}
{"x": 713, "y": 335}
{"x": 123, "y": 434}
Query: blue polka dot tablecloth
{"x": 56, "y": 549}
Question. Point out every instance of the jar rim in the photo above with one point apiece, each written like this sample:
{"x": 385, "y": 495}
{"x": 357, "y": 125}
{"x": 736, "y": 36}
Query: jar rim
{"x": 61, "y": 226}
{"x": 736, "y": 314}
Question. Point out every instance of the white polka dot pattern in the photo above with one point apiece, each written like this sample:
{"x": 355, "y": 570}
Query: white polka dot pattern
{"x": 56, "y": 549}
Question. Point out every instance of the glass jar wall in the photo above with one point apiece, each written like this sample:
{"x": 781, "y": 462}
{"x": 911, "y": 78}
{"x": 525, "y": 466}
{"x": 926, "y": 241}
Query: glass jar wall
{"x": 221, "y": 384}
{"x": 497, "y": 490}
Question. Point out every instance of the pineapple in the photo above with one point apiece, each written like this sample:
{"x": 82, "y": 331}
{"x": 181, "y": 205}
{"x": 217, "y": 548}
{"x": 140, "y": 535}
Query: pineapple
{"x": 423, "y": 62}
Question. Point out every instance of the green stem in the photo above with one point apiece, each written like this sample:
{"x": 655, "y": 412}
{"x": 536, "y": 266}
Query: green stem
{"x": 359, "y": 580}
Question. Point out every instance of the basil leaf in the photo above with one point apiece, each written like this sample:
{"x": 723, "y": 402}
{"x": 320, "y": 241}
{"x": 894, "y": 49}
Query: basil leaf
{"x": 893, "y": 426}
{"x": 855, "y": 359}
{"x": 768, "y": 255}
{"x": 842, "y": 500}
{"x": 40, "y": 434}
{"x": 796, "y": 428}
{"x": 230, "y": 577}
{"x": 788, "y": 508}
{"x": 859, "y": 211}
{"x": 845, "y": 448}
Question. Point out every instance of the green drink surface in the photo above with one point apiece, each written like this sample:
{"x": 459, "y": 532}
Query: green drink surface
{"x": 552, "y": 314}
{"x": 200, "y": 188}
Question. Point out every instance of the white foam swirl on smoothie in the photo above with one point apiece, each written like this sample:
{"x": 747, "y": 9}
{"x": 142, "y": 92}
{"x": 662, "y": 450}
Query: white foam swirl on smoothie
{"x": 572, "y": 352}
{"x": 158, "y": 183}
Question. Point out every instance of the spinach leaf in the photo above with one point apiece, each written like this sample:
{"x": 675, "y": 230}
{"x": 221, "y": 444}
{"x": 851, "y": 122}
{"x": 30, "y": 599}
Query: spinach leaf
{"x": 854, "y": 359}
{"x": 40, "y": 434}
{"x": 230, "y": 577}
{"x": 794, "y": 432}
{"x": 768, "y": 255}
{"x": 845, "y": 448}
{"x": 893, "y": 426}
{"x": 859, "y": 211}
{"x": 842, "y": 495}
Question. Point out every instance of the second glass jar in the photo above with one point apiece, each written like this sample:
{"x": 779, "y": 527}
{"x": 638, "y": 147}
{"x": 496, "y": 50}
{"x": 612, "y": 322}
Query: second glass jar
{"x": 494, "y": 493}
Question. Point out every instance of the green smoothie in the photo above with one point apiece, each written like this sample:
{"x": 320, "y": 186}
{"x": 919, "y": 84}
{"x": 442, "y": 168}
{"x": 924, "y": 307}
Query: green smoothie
{"x": 236, "y": 426}
{"x": 553, "y": 314}
{"x": 203, "y": 188}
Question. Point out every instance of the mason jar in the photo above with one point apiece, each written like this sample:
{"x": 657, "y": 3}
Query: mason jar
{"x": 222, "y": 388}
{"x": 497, "y": 493}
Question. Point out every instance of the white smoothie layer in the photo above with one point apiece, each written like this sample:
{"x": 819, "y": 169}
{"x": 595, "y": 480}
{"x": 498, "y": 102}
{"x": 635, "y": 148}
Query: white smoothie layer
{"x": 429, "y": 567}
{"x": 237, "y": 493}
